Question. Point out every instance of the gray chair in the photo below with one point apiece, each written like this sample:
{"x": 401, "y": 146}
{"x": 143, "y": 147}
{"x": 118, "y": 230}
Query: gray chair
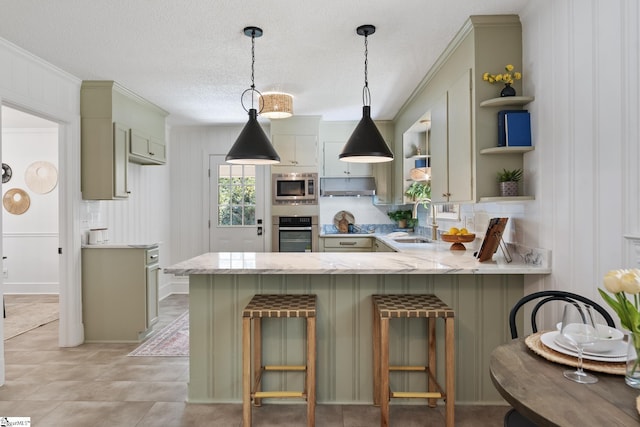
{"x": 513, "y": 418}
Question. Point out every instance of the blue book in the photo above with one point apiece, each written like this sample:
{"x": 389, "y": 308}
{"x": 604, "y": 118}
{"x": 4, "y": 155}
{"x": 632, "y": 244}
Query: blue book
{"x": 502, "y": 135}
{"x": 517, "y": 128}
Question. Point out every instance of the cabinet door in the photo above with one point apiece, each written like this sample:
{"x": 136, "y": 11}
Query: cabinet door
{"x": 153, "y": 272}
{"x": 438, "y": 146}
{"x": 296, "y": 150}
{"x": 145, "y": 149}
{"x": 333, "y": 166}
{"x": 459, "y": 126}
{"x": 285, "y": 145}
{"x": 120, "y": 160}
{"x": 306, "y": 147}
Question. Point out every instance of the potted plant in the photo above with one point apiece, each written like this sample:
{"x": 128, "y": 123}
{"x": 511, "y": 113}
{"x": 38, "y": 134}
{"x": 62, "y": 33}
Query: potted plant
{"x": 419, "y": 191}
{"x": 404, "y": 218}
{"x": 508, "y": 180}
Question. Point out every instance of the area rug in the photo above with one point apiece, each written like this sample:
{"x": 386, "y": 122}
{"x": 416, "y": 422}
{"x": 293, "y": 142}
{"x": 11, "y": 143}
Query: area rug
{"x": 25, "y": 316}
{"x": 173, "y": 340}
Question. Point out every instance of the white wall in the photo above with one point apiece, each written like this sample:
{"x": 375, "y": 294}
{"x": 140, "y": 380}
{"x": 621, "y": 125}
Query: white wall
{"x": 581, "y": 63}
{"x": 32, "y": 85}
{"x": 30, "y": 240}
{"x": 189, "y": 152}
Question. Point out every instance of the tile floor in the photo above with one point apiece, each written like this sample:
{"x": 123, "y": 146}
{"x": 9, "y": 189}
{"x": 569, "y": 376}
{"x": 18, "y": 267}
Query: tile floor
{"x": 98, "y": 385}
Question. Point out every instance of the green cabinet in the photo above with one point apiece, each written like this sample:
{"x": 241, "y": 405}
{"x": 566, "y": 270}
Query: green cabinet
{"x": 145, "y": 149}
{"x": 379, "y": 246}
{"x": 462, "y": 136}
{"x": 347, "y": 244}
{"x": 451, "y": 144}
{"x": 117, "y": 127}
{"x": 119, "y": 293}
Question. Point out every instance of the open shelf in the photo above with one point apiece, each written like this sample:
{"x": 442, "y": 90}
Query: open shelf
{"x": 506, "y": 199}
{"x": 507, "y": 100}
{"x": 506, "y": 150}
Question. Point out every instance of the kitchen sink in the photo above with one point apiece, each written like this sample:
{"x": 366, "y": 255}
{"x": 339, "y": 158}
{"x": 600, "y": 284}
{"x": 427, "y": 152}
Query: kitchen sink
{"x": 411, "y": 239}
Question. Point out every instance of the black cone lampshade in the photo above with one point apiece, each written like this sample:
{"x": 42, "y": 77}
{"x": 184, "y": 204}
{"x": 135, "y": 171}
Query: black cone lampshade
{"x": 252, "y": 146}
{"x": 366, "y": 144}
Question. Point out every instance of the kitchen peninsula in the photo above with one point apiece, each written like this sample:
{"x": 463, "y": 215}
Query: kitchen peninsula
{"x": 221, "y": 284}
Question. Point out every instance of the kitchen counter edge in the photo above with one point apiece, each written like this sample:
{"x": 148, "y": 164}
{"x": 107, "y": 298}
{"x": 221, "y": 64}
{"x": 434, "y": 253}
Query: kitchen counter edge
{"x": 432, "y": 258}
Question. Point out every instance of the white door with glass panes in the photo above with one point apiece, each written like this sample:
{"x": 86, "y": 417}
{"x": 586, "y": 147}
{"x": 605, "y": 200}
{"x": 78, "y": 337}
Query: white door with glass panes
{"x": 236, "y": 206}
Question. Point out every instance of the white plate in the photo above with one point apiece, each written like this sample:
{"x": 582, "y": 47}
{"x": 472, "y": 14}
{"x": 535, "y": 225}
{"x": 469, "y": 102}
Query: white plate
{"x": 619, "y": 349}
{"x": 549, "y": 339}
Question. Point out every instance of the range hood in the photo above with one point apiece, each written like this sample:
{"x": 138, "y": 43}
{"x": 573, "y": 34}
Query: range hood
{"x": 356, "y": 186}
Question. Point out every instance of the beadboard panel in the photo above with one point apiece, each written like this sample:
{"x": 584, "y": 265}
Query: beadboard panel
{"x": 344, "y": 335}
{"x": 581, "y": 62}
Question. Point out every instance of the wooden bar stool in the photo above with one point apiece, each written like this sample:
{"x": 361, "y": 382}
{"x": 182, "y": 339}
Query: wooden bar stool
{"x": 430, "y": 307}
{"x": 277, "y": 306}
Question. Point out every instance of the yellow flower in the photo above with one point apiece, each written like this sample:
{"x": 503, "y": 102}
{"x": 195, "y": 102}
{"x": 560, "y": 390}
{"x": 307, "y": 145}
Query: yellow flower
{"x": 507, "y": 77}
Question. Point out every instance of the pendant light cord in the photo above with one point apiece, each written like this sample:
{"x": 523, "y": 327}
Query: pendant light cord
{"x": 253, "y": 61}
{"x": 253, "y": 32}
{"x": 366, "y": 95}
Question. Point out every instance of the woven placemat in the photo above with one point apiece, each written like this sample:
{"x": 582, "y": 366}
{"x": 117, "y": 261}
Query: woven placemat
{"x": 535, "y": 344}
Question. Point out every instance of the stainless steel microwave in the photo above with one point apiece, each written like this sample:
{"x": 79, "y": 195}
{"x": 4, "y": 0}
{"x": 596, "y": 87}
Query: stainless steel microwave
{"x": 294, "y": 188}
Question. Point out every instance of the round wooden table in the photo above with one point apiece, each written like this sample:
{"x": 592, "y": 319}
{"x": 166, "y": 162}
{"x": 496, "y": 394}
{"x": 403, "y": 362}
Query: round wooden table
{"x": 538, "y": 390}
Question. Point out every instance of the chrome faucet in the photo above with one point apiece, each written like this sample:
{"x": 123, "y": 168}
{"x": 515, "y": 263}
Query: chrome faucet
{"x": 434, "y": 224}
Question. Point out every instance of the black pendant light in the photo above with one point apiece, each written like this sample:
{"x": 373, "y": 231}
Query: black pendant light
{"x": 366, "y": 144}
{"x": 252, "y": 146}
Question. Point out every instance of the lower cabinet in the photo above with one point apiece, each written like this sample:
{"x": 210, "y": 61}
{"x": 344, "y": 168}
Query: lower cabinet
{"x": 119, "y": 293}
{"x": 378, "y": 246}
{"x": 347, "y": 244}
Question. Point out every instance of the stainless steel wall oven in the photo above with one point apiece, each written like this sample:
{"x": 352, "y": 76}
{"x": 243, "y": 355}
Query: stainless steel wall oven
{"x": 295, "y": 233}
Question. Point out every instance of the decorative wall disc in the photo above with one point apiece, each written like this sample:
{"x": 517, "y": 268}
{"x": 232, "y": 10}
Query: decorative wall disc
{"x": 6, "y": 173}
{"x": 16, "y": 201}
{"x": 41, "y": 177}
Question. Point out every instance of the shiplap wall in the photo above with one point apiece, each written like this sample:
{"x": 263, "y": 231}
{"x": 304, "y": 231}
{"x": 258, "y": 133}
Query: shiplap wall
{"x": 581, "y": 62}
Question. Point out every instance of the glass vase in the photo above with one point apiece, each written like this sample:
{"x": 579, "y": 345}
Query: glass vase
{"x": 632, "y": 376}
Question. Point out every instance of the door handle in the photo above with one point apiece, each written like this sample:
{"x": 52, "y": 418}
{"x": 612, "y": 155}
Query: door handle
{"x": 259, "y": 231}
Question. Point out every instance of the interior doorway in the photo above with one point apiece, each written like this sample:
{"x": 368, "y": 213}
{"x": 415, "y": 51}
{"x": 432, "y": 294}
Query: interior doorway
{"x": 30, "y": 209}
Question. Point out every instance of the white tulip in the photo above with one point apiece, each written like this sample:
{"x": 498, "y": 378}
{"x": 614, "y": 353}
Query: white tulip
{"x": 631, "y": 281}
{"x": 612, "y": 281}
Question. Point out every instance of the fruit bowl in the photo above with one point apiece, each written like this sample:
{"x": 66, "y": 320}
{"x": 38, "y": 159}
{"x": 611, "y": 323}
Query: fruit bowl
{"x": 458, "y": 240}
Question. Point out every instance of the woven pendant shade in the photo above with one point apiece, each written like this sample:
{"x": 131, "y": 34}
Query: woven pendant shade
{"x": 277, "y": 105}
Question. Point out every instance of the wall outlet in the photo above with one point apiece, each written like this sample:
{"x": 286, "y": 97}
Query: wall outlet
{"x": 5, "y": 273}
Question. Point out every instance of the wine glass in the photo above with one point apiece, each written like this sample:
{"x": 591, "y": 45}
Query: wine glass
{"x": 579, "y": 330}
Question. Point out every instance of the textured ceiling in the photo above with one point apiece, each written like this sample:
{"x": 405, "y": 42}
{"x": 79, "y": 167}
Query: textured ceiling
{"x": 192, "y": 59}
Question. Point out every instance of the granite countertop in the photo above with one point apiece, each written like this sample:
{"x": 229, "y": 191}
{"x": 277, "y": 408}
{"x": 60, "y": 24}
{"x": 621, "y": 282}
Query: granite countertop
{"x": 411, "y": 258}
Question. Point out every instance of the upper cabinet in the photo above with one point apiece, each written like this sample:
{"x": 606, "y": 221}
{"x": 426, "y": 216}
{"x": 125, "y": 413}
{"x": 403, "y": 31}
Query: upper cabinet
{"x": 451, "y": 179}
{"x": 334, "y": 135}
{"x": 296, "y": 150}
{"x": 333, "y": 166}
{"x": 462, "y": 138}
{"x": 117, "y": 127}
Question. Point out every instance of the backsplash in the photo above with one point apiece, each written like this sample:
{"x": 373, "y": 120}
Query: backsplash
{"x": 474, "y": 217}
